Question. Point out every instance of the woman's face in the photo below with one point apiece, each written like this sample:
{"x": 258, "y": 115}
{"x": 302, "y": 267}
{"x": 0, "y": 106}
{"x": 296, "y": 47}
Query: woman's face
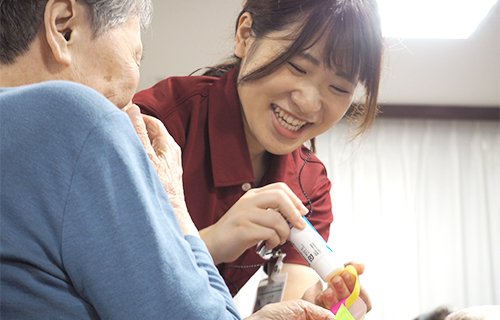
{"x": 299, "y": 101}
{"x": 110, "y": 62}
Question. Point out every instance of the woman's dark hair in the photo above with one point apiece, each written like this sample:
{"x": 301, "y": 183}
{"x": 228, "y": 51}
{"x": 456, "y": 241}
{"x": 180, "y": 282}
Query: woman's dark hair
{"x": 354, "y": 42}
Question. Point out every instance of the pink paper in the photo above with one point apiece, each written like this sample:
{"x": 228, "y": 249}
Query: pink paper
{"x": 335, "y": 308}
{"x": 357, "y": 310}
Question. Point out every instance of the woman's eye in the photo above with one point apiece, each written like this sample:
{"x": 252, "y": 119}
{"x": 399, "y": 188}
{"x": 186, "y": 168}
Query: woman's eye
{"x": 340, "y": 90}
{"x": 297, "y": 68}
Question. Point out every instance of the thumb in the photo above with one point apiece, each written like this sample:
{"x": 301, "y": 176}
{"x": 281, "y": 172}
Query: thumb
{"x": 135, "y": 116}
{"x": 157, "y": 134}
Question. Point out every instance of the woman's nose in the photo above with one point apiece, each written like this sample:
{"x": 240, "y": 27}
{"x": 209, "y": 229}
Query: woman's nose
{"x": 307, "y": 99}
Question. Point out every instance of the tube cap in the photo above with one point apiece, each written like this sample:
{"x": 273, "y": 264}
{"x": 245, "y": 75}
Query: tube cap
{"x": 328, "y": 266}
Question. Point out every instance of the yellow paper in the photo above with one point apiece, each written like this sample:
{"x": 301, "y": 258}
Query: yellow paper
{"x": 355, "y": 293}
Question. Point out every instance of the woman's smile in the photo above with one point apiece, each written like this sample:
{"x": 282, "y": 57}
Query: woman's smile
{"x": 287, "y": 120}
{"x": 287, "y": 125}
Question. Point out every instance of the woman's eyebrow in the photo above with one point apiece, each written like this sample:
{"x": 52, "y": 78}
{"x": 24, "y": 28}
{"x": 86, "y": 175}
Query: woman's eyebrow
{"x": 308, "y": 57}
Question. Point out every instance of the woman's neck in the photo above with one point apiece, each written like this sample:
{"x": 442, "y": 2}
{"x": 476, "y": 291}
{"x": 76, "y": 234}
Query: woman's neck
{"x": 260, "y": 163}
{"x": 258, "y": 155}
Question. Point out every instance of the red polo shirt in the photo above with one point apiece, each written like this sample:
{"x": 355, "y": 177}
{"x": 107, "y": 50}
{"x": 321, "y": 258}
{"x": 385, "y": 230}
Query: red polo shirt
{"x": 204, "y": 117}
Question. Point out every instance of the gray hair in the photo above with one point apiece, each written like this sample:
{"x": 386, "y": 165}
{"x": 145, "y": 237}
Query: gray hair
{"x": 20, "y": 21}
{"x": 105, "y": 14}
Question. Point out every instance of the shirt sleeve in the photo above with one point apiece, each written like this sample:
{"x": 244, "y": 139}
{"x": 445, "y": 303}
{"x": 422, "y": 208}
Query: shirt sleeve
{"x": 122, "y": 246}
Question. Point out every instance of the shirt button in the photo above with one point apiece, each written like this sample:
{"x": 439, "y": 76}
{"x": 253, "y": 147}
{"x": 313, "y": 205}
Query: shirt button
{"x": 246, "y": 186}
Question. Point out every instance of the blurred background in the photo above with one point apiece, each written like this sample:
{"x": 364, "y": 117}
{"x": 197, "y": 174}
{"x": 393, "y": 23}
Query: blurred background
{"x": 417, "y": 199}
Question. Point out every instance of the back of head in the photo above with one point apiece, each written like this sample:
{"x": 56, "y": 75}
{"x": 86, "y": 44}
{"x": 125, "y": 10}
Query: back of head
{"x": 439, "y": 313}
{"x": 21, "y": 21}
{"x": 354, "y": 42}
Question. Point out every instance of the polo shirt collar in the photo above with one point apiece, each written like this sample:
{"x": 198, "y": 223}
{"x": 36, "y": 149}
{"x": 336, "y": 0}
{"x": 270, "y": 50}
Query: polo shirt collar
{"x": 231, "y": 163}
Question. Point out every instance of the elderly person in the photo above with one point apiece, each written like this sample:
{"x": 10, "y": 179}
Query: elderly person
{"x": 87, "y": 229}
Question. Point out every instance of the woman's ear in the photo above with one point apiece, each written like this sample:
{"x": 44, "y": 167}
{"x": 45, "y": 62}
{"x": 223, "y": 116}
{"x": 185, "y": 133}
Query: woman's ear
{"x": 59, "y": 22}
{"x": 243, "y": 35}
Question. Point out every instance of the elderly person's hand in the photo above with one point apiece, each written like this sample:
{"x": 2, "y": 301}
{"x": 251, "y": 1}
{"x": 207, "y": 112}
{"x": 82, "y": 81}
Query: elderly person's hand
{"x": 165, "y": 154}
{"x": 292, "y": 309}
{"x": 339, "y": 288}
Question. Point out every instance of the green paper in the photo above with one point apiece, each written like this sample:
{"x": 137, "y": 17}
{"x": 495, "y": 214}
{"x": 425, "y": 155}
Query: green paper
{"x": 343, "y": 314}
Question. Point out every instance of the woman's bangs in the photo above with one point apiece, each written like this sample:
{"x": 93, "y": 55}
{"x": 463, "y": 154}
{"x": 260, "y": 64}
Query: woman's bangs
{"x": 353, "y": 44}
{"x": 345, "y": 49}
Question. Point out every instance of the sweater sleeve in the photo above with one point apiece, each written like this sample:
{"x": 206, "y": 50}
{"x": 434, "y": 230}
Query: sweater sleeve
{"x": 122, "y": 246}
{"x": 205, "y": 262}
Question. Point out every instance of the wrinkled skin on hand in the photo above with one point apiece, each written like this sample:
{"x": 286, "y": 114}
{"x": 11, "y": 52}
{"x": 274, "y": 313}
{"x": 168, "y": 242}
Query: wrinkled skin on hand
{"x": 292, "y": 309}
{"x": 165, "y": 154}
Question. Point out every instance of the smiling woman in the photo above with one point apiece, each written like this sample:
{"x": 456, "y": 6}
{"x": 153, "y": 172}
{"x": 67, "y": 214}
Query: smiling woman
{"x": 244, "y": 123}
{"x": 305, "y": 90}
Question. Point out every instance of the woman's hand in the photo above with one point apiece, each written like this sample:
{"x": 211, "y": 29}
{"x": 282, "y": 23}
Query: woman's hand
{"x": 292, "y": 309}
{"x": 165, "y": 155}
{"x": 249, "y": 221}
{"x": 339, "y": 288}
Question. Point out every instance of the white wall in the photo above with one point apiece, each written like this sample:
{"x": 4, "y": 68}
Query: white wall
{"x": 189, "y": 34}
{"x": 186, "y": 35}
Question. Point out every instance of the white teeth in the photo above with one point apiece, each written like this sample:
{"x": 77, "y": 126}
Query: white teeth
{"x": 287, "y": 120}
